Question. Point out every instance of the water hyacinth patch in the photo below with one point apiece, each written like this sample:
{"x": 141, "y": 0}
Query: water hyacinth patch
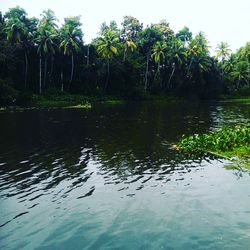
{"x": 225, "y": 139}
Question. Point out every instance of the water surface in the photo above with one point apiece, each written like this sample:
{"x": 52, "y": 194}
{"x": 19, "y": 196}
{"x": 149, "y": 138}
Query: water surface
{"x": 107, "y": 178}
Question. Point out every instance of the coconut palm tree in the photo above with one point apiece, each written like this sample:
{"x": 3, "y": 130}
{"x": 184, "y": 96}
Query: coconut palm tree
{"x": 158, "y": 54}
{"x": 17, "y": 32}
{"x": 46, "y": 36}
{"x": 49, "y": 20}
{"x": 240, "y": 73}
{"x": 128, "y": 45}
{"x": 107, "y": 47}
{"x": 148, "y": 37}
{"x": 46, "y": 45}
{"x": 223, "y": 51}
{"x": 176, "y": 56}
{"x": 198, "y": 53}
{"x": 71, "y": 40}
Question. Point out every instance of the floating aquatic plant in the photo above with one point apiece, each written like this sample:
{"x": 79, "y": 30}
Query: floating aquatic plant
{"x": 224, "y": 139}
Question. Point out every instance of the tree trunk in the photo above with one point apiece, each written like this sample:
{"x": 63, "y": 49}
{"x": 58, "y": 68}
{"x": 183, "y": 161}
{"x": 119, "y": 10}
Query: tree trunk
{"x": 169, "y": 80}
{"x": 26, "y": 71}
{"x": 45, "y": 72}
{"x": 189, "y": 67}
{"x": 51, "y": 67}
{"x": 146, "y": 74}
{"x": 88, "y": 56}
{"x": 40, "y": 73}
{"x": 107, "y": 79}
{"x": 157, "y": 71}
{"x": 62, "y": 80}
{"x": 238, "y": 84}
{"x": 124, "y": 55}
{"x": 72, "y": 69}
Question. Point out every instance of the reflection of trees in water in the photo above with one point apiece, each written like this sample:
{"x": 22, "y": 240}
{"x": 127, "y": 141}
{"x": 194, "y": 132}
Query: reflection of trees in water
{"x": 126, "y": 140}
{"x": 133, "y": 146}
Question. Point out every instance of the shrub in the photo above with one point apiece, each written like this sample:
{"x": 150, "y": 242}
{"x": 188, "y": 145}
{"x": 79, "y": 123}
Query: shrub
{"x": 8, "y": 95}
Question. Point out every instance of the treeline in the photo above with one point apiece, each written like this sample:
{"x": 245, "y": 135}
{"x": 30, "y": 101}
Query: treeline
{"x": 37, "y": 56}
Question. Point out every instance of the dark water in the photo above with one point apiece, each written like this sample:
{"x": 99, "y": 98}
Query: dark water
{"x": 107, "y": 178}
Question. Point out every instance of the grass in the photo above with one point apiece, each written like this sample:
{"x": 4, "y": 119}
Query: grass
{"x": 230, "y": 143}
{"x": 114, "y": 102}
{"x": 60, "y": 101}
{"x": 80, "y": 101}
{"x": 235, "y": 98}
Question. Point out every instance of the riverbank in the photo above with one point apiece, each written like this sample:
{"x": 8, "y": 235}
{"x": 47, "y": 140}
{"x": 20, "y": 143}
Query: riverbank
{"x": 69, "y": 100}
{"x": 65, "y": 100}
{"x": 230, "y": 143}
{"x": 81, "y": 101}
{"x": 86, "y": 102}
{"x": 235, "y": 98}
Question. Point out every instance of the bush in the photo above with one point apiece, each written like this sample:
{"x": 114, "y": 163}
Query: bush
{"x": 8, "y": 95}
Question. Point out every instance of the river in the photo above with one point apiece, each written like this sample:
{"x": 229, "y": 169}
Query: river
{"x": 108, "y": 178}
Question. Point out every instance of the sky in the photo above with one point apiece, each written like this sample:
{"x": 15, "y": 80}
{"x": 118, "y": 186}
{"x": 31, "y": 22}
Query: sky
{"x": 220, "y": 20}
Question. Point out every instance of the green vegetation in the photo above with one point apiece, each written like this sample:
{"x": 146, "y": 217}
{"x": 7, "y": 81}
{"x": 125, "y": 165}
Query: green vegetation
{"x": 60, "y": 101}
{"x": 225, "y": 143}
{"x": 131, "y": 62}
{"x": 235, "y": 98}
{"x": 222, "y": 140}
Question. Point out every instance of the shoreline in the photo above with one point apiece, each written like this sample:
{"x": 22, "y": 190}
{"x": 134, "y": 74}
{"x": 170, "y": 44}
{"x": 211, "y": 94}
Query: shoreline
{"x": 86, "y": 102}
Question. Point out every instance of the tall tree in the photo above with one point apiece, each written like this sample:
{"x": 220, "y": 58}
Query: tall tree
{"x": 129, "y": 45}
{"x": 148, "y": 37}
{"x": 131, "y": 27}
{"x": 185, "y": 35}
{"x": 198, "y": 54}
{"x": 105, "y": 27}
{"x": 107, "y": 47}
{"x": 45, "y": 39}
{"x": 17, "y": 29}
{"x": 164, "y": 27}
{"x": 158, "y": 54}
{"x": 223, "y": 52}
{"x": 241, "y": 74}
{"x": 71, "y": 40}
{"x": 176, "y": 56}
{"x": 47, "y": 33}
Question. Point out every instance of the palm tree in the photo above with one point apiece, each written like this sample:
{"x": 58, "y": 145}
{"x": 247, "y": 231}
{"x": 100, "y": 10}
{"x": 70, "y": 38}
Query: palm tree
{"x": 49, "y": 21}
{"x": 107, "y": 47}
{"x": 17, "y": 33}
{"x": 128, "y": 45}
{"x": 71, "y": 40}
{"x": 223, "y": 51}
{"x": 229, "y": 64}
{"x": 45, "y": 40}
{"x": 158, "y": 54}
{"x": 198, "y": 53}
{"x": 193, "y": 51}
{"x": 177, "y": 55}
{"x": 148, "y": 37}
{"x": 240, "y": 73}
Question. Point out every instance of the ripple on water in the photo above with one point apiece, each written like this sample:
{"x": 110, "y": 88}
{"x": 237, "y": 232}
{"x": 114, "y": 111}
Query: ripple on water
{"x": 120, "y": 185}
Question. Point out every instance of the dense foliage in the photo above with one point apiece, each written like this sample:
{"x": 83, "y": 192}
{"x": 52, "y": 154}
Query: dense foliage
{"x": 225, "y": 139}
{"x": 37, "y": 56}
